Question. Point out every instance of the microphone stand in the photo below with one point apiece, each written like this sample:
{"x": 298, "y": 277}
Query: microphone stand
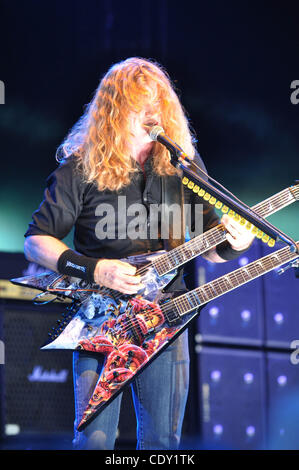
{"x": 179, "y": 157}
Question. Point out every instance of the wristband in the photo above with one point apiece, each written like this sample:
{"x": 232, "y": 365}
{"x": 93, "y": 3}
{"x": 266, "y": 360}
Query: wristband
{"x": 76, "y": 265}
{"x": 225, "y": 251}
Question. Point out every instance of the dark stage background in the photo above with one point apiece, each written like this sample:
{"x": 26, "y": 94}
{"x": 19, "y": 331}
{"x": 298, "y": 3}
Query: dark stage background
{"x": 233, "y": 63}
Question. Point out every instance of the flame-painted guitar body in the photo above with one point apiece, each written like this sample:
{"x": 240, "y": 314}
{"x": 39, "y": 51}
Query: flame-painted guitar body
{"x": 129, "y": 331}
{"x": 93, "y": 306}
{"x": 130, "y": 343}
{"x": 132, "y": 331}
{"x": 131, "y": 339}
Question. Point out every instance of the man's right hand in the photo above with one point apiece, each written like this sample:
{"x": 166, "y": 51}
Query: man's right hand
{"x": 117, "y": 275}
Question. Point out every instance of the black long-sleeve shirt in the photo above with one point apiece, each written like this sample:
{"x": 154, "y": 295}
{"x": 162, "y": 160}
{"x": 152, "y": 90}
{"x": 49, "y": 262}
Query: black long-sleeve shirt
{"x": 68, "y": 202}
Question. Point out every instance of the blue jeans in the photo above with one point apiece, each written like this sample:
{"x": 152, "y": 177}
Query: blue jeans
{"x": 159, "y": 395}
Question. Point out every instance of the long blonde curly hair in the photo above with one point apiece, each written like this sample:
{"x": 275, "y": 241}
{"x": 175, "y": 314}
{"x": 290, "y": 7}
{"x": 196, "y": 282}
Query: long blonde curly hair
{"x": 100, "y": 138}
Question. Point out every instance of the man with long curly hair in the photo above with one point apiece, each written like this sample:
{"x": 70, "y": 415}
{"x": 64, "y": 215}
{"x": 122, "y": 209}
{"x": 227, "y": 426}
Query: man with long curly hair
{"x": 107, "y": 155}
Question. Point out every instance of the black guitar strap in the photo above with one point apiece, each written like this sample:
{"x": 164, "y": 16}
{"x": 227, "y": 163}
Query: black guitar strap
{"x": 173, "y": 194}
{"x": 173, "y": 202}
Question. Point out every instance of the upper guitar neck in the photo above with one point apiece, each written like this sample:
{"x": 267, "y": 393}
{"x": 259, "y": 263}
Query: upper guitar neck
{"x": 204, "y": 242}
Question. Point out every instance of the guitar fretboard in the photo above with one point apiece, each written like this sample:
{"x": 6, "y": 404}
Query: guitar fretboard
{"x": 202, "y": 243}
{"x": 203, "y": 294}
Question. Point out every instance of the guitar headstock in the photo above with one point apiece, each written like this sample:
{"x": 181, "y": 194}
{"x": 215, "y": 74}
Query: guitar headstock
{"x": 295, "y": 190}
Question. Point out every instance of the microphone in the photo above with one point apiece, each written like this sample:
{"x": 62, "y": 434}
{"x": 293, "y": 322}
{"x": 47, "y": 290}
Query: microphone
{"x": 157, "y": 134}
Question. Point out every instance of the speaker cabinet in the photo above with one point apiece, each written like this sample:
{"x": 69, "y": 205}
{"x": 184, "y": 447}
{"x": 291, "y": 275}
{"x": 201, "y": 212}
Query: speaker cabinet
{"x": 232, "y": 398}
{"x": 281, "y": 307}
{"x": 283, "y": 386}
{"x": 236, "y": 317}
{"x": 38, "y": 386}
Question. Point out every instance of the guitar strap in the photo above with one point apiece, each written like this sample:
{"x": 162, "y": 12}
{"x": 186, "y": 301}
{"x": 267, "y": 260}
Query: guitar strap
{"x": 172, "y": 202}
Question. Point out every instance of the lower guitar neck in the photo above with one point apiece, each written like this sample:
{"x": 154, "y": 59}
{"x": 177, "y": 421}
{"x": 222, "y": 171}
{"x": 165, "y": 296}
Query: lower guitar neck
{"x": 201, "y": 295}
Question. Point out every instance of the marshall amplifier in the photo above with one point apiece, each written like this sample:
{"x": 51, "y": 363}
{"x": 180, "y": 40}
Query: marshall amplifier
{"x": 38, "y": 387}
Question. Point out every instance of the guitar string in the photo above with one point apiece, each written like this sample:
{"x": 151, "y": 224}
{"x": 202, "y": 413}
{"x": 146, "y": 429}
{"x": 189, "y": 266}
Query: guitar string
{"x": 266, "y": 264}
{"x": 214, "y": 232}
{"x": 184, "y": 247}
{"x": 216, "y": 229}
{"x": 227, "y": 191}
{"x": 234, "y": 276}
{"x": 133, "y": 322}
